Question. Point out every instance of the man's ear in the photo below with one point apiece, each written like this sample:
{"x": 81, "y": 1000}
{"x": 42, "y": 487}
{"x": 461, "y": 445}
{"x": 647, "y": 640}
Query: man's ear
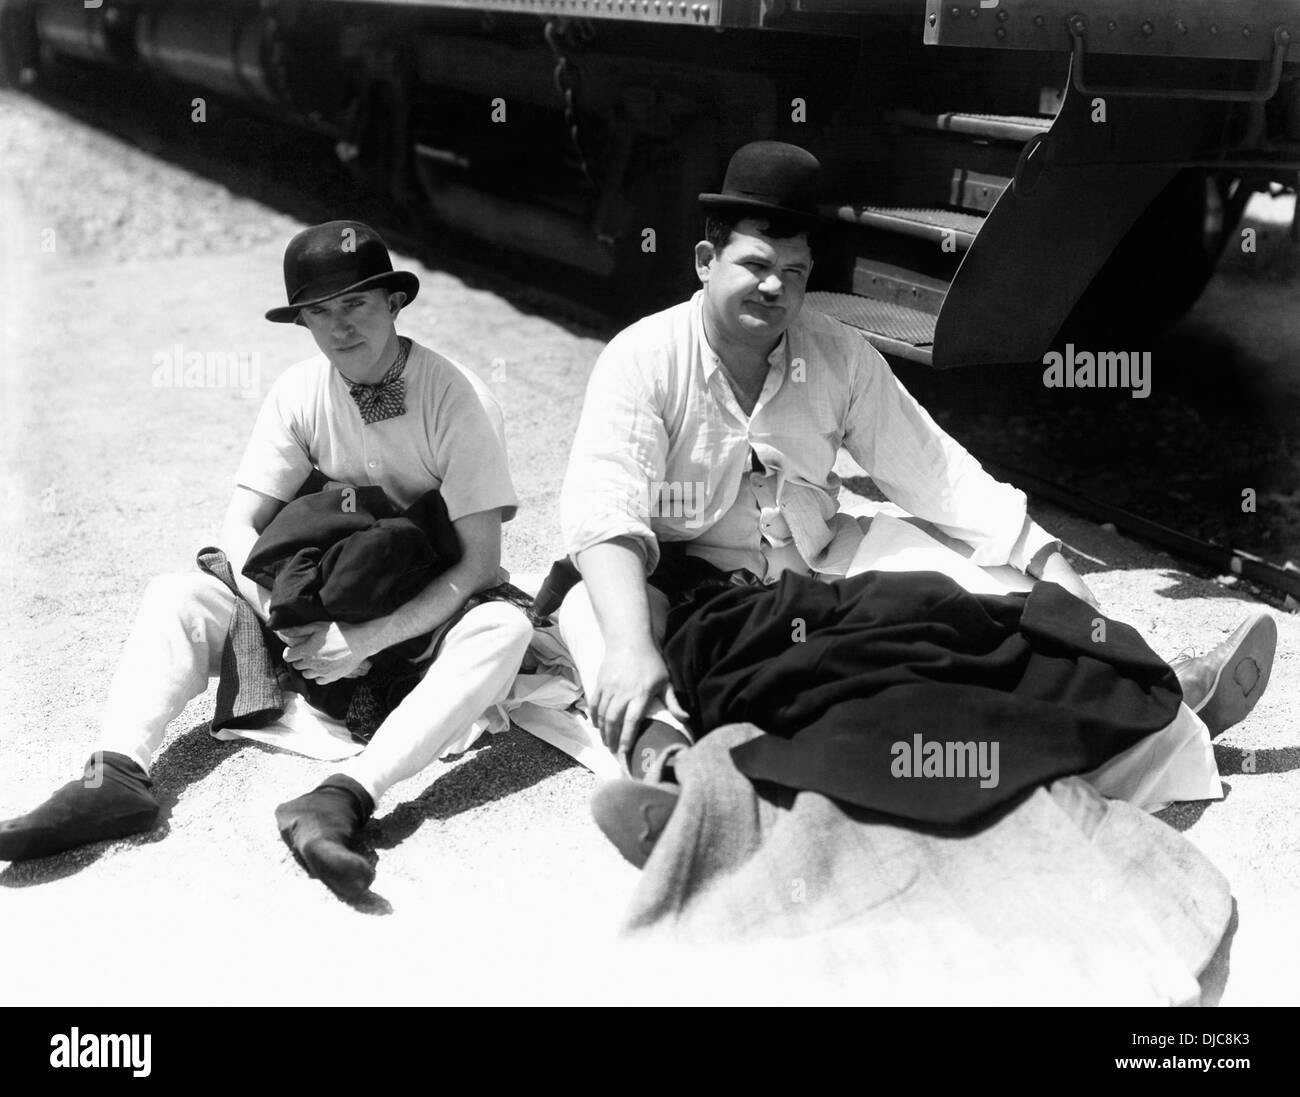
{"x": 396, "y": 300}
{"x": 705, "y": 254}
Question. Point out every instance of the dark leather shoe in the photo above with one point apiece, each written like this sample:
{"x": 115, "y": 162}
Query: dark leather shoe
{"x": 1222, "y": 686}
{"x": 112, "y": 800}
{"x": 322, "y": 829}
{"x": 633, "y": 814}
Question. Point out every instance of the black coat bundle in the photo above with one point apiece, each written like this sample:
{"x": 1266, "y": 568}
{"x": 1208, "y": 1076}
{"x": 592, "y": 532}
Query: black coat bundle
{"x": 881, "y": 689}
{"x": 349, "y": 555}
{"x": 332, "y": 554}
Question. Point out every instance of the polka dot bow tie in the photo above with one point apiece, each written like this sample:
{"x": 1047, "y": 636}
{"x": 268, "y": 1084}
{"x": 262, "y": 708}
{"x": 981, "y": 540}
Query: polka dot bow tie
{"x": 386, "y": 398}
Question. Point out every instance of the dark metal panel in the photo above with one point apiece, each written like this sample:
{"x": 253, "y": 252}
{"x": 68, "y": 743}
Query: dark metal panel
{"x": 1052, "y": 230}
{"x": 887, "y": 282}
{"x": 974, "y": 190}
{"x": 1035, "y": 257}
{"x": 1227, "y": 29}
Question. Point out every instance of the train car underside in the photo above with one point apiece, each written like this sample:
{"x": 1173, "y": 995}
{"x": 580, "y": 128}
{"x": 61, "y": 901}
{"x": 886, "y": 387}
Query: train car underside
{"x": 998, "y": 171}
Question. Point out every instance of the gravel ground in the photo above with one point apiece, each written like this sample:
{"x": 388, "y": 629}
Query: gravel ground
{"x": 493, "y": 883}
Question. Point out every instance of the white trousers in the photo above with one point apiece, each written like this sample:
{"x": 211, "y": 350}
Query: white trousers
{"x": 180, "y": 633}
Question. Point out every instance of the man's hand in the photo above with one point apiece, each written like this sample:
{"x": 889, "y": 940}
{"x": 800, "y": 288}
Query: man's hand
{"x": 632, "y": 677}
{"x": 1057, "y": 569}
{"x": 326, "y": 651}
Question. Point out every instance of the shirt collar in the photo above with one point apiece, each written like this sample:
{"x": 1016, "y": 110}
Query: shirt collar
{"x": 709, "y": 358}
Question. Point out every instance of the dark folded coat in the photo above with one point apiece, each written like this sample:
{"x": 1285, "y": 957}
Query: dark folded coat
{"x": 349, "y": 555}
{"x": 336, "y": 554}
{"x": 839, "y": 674}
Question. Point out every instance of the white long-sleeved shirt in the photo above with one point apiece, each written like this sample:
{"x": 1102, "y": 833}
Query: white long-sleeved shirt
{"x": 663, "y": 452}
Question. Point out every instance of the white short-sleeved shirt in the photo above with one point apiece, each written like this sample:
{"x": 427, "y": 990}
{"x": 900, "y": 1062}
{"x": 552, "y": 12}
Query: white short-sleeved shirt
{"x": 451, "y": 437}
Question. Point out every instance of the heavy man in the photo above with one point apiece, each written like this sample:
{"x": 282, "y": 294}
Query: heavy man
{"x": 738, "y": 401}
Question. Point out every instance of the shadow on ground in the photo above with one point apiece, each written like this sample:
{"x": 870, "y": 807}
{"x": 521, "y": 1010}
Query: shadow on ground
{"x": 508, "y": 763}
{"x": 1186, "y": 814}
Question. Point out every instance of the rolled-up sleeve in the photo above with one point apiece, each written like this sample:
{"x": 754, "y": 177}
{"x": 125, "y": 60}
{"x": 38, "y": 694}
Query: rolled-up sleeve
{"x": 918, "y": 466}
{"x": 619, "y": 452}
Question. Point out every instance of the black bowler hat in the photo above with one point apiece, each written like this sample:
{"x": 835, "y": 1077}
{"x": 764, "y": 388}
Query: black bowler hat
{"x": 769, "y": 177}
{"x": 334, "y": 258}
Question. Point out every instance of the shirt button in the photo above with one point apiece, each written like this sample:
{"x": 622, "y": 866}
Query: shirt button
{"x": 374, "y": 464}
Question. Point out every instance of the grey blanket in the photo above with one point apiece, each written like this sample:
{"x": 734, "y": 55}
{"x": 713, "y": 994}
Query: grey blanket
{"x": 1067, "y": 898}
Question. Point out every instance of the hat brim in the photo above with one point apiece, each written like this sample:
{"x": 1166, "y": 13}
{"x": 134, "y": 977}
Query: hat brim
{"x": 730, "y": 203}
{"x": 395, "y": 280}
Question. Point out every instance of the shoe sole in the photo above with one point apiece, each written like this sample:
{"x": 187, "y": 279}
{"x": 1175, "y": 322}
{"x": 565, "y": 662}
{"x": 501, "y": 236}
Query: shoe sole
{"x": 632, "y": 815}
{"x": 1227, "y": 703}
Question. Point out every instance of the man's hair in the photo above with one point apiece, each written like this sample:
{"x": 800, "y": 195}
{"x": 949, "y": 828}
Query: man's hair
{"x": 719, "y": 227}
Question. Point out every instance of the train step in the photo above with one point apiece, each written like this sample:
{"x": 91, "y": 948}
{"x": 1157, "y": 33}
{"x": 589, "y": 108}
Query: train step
{"x": 940, "y": 226}
{"x": 892, "y": 328}
{"x": 990, "y": 127}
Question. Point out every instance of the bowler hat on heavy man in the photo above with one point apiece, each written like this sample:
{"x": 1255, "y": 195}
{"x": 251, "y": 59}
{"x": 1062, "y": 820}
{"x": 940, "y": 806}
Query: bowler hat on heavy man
{"x": 769, "y": 177}
{"x": 334, "y": 258}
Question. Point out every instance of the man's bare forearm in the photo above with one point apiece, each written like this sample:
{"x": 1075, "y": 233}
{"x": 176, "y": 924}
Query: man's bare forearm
{"x": 444, "y": 595}
{"x": 615, "y": 578}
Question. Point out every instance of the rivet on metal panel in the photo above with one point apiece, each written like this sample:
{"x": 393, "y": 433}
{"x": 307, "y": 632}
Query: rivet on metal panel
{"x": 1039, "y": 21}
{"x": 1148, "y": 29}
{"x": 1214, "y": 28}
{"x": 1181, "y": 27}
{"x": 1245, "y": 32}
{"x": 933, "y": 18}
{"x": 1111, "y": 25}
{"x": 999, "y": 33}
{"x": 1003, "y": 16}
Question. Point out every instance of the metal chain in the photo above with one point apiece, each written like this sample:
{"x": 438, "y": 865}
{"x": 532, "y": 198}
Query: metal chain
{"x": 568, "y": 82}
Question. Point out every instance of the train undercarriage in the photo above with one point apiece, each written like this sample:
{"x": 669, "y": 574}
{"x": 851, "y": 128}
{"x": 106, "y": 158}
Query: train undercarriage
{"x": 1002, "y": 171}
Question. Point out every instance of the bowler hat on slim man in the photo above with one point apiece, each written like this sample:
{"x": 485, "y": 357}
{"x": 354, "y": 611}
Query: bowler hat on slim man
{"x": 770, "y": 177}
{"x": 337, "y": 257}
